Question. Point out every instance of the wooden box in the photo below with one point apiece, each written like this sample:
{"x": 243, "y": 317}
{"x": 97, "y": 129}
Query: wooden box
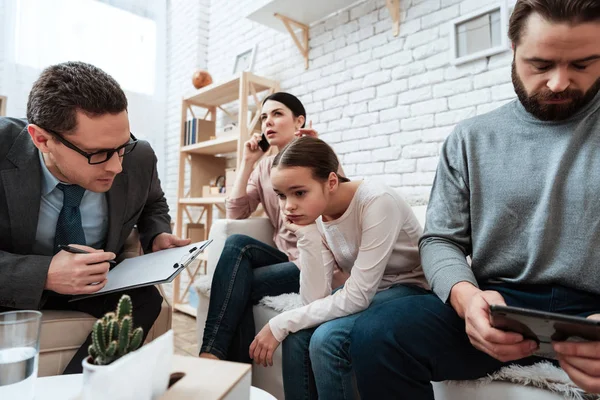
{"x": 198, "y": 130}
{"x": 196, "y": 232}
{"x": 206, "y": 379}
{"x": 212, "y": 191}
{"x": 205, "y": 130}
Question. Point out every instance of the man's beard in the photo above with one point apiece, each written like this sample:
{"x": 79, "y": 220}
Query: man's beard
{"x": 553, "y": 112}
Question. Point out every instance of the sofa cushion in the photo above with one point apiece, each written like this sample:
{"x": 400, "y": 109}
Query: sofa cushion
{"x": 64, "y": 329}
{"x": 258, "y": 228}
{"x": 61, "y": 335}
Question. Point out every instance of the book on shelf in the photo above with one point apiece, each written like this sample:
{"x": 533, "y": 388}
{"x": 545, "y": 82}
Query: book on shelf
{"x": 197, "y": 130}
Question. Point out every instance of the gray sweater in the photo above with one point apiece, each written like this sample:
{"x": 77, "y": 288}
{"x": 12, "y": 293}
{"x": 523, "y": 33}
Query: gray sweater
{"x": 521, "y": 197}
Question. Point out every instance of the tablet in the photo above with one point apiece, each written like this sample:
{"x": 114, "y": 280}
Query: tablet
{"x": 544, "y": 327}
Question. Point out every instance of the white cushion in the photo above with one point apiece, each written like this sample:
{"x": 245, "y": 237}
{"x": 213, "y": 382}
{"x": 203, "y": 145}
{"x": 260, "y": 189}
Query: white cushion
{"x": 258, "y": 228}
{"x": 490, "y": 391}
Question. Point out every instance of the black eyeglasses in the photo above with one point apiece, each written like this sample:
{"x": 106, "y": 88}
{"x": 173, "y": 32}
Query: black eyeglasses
{"x": 101, "y": 156}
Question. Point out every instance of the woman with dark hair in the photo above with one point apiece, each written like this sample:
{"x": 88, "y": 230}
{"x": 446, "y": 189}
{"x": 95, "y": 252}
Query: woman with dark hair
{"x": 364, "y": 228}
{"x": 249, "y": 269}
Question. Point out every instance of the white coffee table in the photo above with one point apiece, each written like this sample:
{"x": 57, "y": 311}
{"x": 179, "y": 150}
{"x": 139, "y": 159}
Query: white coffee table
{"x": 68, "y": 387}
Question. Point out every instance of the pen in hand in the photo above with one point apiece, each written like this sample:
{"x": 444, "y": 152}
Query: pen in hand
{"x": 75, "y": 250}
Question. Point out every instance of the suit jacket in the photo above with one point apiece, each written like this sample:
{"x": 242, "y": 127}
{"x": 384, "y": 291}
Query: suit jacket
{"x": 135, "y": 198}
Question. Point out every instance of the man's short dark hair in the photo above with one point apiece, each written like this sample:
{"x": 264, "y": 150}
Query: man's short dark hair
{"x": 63, "y": 89}
{"x": 555, "y": 11}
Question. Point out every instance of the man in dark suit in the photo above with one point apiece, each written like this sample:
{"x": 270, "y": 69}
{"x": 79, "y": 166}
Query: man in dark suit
{"x": 73, "y": 174}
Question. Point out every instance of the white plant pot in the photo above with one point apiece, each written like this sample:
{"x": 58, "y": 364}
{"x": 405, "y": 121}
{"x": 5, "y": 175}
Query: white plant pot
{"x": 142, "y": 374}
{"x": 88, "y": 370}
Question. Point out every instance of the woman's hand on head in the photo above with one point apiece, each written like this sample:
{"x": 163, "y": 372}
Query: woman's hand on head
{"x": 307, "y": 131}
{"x": 252, "y": 152}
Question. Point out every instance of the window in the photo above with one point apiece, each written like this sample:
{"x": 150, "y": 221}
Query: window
{"x": 479, "y": 34}
{"x": 121, "y": 43}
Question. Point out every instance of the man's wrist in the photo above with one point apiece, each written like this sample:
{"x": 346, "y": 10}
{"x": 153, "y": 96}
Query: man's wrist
{"x": 154, "y": 238}
{"x": 460, "y": 296}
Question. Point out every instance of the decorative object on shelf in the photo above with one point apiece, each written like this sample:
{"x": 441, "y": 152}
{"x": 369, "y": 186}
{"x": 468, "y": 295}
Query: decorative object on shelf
{"x": 244, "y": 61}
{"x": 229, "y": 127}
{"x": 215, "y": 188}
{"x": 113, "y": 335}
{"x": 213, "y": 191}
{"x": 2, "y": 106}
{"x": 201, "y": 78}
{"x": 220, "y": 181}
{"x": 230, "y": 175}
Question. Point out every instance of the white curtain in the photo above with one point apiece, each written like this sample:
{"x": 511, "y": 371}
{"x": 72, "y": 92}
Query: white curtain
{"x": 126, "y": 38}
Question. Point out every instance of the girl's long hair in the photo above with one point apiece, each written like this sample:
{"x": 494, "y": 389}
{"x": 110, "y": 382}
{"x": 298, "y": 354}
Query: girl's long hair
{"x": 312, "y": 153}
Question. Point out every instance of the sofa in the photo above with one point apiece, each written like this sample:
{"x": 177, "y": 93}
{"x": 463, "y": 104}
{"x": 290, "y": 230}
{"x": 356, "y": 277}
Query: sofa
{"x": 63, "y": 332}
{"x": 270, "y": 379}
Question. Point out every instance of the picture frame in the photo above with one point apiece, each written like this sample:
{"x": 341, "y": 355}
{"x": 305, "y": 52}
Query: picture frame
{"x": 244, "y": 61}
{"x": 2, "y": 106}
{"x": 503, "y": 46}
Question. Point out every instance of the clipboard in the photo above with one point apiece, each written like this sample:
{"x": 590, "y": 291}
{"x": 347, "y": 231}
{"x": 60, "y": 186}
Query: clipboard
{"x": 149, "y": 269}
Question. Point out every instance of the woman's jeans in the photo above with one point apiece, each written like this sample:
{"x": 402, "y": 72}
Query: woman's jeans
{"x": 317, "y": 360}
{"x": 247, "y": 271}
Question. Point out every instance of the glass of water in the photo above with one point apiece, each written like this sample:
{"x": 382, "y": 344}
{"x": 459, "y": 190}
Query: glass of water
{"x": 19, "y": 348}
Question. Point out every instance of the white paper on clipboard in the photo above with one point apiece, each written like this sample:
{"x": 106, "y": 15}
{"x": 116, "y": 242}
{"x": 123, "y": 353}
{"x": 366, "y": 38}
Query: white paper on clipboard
{"x": 150, "y": 269}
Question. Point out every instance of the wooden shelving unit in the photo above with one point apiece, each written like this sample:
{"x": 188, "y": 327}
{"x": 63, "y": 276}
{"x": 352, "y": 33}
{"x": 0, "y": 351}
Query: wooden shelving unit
{"x": 221, "y": 145}
{"x": 201, "y": 162}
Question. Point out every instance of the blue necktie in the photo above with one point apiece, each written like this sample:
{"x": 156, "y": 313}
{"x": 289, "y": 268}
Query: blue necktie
{"x": 68, "y": 226}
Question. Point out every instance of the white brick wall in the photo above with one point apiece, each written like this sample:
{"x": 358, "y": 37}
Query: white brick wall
{"x": 385, "y": 103}
{"x": 187, "y": 44}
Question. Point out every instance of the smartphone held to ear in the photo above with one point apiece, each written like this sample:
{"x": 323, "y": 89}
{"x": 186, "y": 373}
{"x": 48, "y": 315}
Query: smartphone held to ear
{"x": 263, "y": 143}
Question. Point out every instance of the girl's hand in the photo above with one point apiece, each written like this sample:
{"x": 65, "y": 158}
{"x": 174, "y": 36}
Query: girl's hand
{"x": 263, "y": 346}
{"x": 252, "y": 152}
{"x": 339, "y": 277}
{"x": 292, "y": 226}
{"x": 307, "y": 131}
{"x": 289, "y": 224}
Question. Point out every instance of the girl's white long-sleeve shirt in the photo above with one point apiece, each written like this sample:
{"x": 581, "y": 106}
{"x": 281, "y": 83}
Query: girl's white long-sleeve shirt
{"x": 375, "y": 240}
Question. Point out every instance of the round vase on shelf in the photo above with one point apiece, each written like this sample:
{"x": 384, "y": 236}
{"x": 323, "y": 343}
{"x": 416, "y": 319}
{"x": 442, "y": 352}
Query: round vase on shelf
{"x": 201, "y": 79}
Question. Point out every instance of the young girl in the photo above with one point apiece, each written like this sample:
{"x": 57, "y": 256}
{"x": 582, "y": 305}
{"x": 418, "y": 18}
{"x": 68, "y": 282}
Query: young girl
{"x": 364, "y": 228}
{"x": 249, "y": 269}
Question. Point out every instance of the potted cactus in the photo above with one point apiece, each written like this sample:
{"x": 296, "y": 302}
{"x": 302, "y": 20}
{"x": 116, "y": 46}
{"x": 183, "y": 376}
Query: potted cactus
{"x": 113, "y": 336}
{"x": 114, "y": 369}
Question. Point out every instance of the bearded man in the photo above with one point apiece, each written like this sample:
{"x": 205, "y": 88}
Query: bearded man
{"x": 516, "y": 190}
